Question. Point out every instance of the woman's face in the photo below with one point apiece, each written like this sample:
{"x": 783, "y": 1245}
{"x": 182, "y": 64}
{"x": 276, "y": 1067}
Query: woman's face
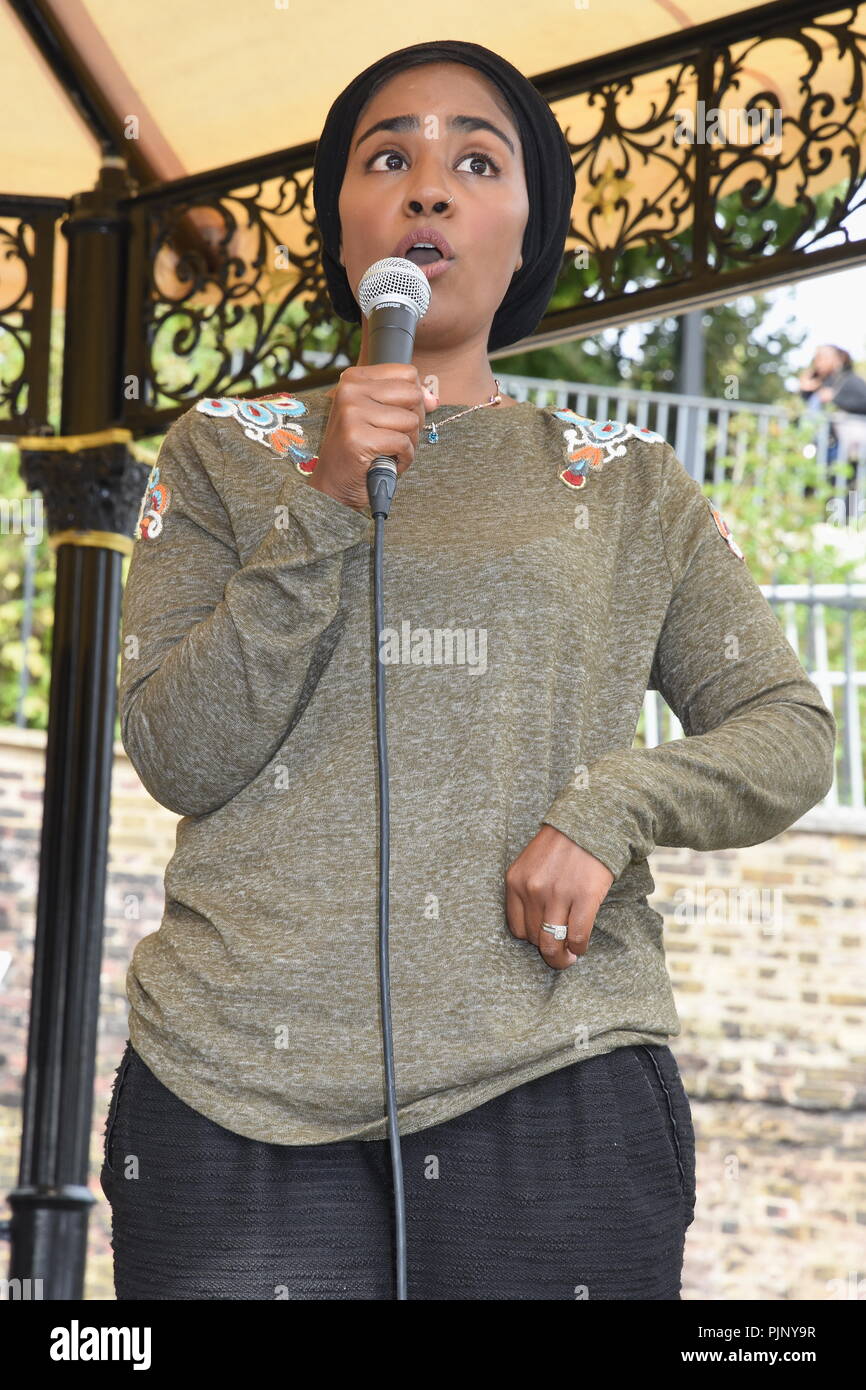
{"x": 395, "y": 178}
{"x": 826, "y": 361}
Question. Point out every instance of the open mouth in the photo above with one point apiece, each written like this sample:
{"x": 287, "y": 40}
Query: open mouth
{"x": 423, "y": 255}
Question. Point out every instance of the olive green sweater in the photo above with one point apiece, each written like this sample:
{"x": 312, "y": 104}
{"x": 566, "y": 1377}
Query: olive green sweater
{"x": 541, "y": 572}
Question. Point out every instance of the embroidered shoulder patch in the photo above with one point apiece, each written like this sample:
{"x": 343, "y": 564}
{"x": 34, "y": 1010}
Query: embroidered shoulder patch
{"x": 724, "y": 530}
{"x": 587, "y": 444}
{"x": 154, "y": 505}
{"x": 269, "y": 420}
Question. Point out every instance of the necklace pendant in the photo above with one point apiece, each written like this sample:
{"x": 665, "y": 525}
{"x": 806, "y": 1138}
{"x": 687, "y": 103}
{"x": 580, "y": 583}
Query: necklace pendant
{"x": 432, "y": 434}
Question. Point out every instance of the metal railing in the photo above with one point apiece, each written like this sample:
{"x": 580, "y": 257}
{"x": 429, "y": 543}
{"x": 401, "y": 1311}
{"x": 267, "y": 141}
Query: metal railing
{"x": 702, "y": 430}
{"x": 802, "y": 612}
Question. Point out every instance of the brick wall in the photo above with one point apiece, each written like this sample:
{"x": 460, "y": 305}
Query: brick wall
{"x": 765, "y": 947}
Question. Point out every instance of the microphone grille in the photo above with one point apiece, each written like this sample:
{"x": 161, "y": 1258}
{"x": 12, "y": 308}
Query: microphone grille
{"x": 394, "y": 280}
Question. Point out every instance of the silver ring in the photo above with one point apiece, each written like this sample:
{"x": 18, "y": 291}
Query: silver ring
{"x": 559, "y": 933}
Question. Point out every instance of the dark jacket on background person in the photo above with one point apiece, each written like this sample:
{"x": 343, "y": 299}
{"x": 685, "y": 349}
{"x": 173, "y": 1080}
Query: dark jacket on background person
{"x": 849, "y": 392}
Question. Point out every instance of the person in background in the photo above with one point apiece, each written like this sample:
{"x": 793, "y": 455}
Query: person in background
{"x": 831, "y": 380}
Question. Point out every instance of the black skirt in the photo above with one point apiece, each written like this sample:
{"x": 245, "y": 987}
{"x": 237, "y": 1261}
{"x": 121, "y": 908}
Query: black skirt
{"x": 577, "y": 1185}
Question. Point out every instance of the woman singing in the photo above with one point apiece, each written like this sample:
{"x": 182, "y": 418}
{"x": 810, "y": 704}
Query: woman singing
{"x": 541, "y": 572}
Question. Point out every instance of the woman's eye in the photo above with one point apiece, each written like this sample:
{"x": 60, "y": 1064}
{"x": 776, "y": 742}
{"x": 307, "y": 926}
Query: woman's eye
{"x": 386, "y": 154}
{"x": 395, "y": 154}
{"x": 487, "y": 160}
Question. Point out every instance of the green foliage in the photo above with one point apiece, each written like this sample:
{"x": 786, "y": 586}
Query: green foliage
{"x": 784, "y": 511}
{"x": 740, "y": 362}
{"x": 13, "y": 656}
{"x": 794, "y": 527}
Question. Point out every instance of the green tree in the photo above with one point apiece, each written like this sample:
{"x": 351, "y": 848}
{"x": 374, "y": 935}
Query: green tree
{"x": 736, "y": 344}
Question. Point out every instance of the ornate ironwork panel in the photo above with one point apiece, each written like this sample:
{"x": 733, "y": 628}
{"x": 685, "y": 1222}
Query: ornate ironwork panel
{"x": 726, "y": 159}
{"x": 227, "y": 293}
{"x": 26, "y": 283}
{"x": 708, "y": 163}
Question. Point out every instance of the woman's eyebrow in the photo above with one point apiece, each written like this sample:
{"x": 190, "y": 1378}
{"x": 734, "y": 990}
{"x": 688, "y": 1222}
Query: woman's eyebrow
{"x": 455, "y": 123}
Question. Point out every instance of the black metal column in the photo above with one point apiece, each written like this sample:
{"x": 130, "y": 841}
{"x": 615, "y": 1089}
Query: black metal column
{"x": 691, "y": 383}
{"x": 91, "y": 489}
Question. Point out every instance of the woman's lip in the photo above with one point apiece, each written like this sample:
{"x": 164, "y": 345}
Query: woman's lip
{"x": 436, "y": 268}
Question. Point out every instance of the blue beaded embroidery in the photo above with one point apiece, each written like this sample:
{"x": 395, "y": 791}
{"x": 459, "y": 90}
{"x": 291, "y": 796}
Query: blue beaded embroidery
{"x": 154, "y": 504}
{"x": 268, "y": 420}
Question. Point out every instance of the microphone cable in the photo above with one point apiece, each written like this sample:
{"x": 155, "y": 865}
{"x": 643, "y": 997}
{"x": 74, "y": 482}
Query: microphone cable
{"x": 381, "y": 483}
{"x": 394, "y": 294}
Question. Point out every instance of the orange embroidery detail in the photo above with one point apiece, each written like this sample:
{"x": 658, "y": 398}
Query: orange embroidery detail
{"x": 724, "y": 530}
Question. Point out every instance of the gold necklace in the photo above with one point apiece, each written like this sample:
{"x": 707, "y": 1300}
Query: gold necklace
{"x": 433, "y": 430}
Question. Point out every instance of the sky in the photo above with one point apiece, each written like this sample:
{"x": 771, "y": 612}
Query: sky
{"x": 832, "y": 307}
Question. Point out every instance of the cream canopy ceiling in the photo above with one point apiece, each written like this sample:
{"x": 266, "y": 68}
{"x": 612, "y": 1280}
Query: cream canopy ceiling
{"x": 216, "y": 81}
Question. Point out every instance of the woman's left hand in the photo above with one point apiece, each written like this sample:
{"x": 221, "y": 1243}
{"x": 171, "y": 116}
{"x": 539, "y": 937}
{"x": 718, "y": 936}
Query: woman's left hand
{"x": 554, "y": 880}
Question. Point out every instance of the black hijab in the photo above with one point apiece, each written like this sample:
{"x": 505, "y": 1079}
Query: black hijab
{"x": 548, "y": 170}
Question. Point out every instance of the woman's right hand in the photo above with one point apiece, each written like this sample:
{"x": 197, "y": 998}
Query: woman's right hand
{"x": 374, "y": 411}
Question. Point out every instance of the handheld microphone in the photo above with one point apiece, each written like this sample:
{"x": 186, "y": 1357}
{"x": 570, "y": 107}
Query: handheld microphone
{"x": 393, "y": 295}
